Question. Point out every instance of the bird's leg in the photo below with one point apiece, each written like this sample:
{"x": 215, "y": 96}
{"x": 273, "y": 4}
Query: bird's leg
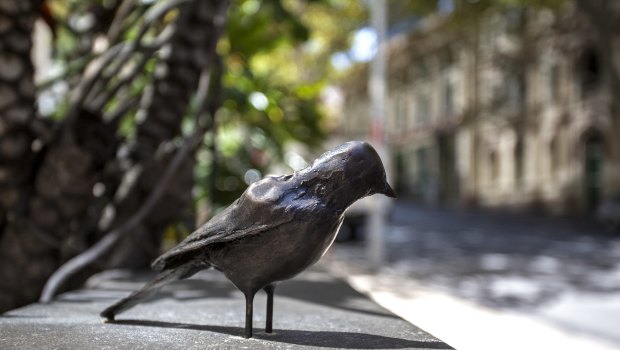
{"x": 249, "y": 303}
{"x": 269, "y": 324}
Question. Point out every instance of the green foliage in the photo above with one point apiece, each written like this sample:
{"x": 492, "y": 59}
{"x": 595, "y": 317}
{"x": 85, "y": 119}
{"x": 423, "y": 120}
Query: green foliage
{"x": 272, "y": 85}
{"x": 275, "y": 57}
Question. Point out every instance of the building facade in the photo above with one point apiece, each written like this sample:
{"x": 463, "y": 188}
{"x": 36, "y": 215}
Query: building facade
{"x": 509, "y": 111}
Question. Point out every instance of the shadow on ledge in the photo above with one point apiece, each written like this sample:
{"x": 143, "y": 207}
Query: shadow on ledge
{"x": 346, "y": 340}
{"x": 330, "y": 294}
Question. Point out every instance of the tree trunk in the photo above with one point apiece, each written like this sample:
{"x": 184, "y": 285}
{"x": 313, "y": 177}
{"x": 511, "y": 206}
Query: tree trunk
{"x": 17, "y": 103}
{"x": 190, "y": 52}
{"x": 17, "y": 110}
{"x": 48, "y": 209}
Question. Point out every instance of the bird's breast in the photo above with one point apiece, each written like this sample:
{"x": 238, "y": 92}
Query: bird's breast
{"x": 278, "y": 253}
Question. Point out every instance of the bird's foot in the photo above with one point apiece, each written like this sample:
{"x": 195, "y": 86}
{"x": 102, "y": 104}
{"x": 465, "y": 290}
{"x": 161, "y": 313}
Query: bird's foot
{"x": 107, "y": 319}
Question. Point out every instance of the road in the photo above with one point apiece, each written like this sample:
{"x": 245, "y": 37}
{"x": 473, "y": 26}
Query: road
{"x": 562, "y": 271}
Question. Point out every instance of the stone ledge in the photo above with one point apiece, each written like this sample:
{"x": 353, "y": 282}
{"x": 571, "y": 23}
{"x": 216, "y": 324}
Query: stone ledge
{"x": 314, "y": 310}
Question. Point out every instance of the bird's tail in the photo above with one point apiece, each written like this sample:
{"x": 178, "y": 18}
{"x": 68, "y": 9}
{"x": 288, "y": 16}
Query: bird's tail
{"x": 147, "y": 290}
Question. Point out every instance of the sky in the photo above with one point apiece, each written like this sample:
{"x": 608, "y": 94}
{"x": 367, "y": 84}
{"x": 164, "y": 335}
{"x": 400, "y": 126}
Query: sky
{"x": 363, "y": 49}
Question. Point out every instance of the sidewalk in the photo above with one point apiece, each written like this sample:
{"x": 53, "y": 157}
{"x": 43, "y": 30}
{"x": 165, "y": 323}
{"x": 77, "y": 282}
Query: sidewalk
{"x": 466, "y": 325}
{"x": 313, "y": 310}
{"x": 490, "y": 280}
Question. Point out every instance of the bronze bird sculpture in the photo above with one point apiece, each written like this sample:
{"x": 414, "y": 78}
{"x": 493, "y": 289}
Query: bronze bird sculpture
{"x": 277, "y": 228}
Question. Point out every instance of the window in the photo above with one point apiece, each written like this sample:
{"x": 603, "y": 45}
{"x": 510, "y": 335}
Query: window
{"x": 446, "y": 92}
{"x": 518, "y": 154}
{"x": 590, "y": 70}
{"x": 401, "y": 113}
{"x": 422, "y": 170}
{"x": 515, "y": 90}
{"x": 493, "y": 167}
{"x": 448, "y": 95}
{"x": 554, "y": 83}
{"x": 422, "y": 109}
{"x": 554, "y": 156}
{"x": 420, "y": 69}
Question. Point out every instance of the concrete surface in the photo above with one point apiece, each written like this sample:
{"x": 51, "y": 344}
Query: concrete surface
{"x": 314, "y": 310}
{"x": 470, "y": 326}
{"x": 509, "y": 279}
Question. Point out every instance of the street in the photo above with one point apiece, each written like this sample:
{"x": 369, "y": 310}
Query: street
{"x": 562, "y": 271}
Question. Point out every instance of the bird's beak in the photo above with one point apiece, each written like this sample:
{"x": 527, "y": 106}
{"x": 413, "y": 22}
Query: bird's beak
{"x": 388, "y": 191}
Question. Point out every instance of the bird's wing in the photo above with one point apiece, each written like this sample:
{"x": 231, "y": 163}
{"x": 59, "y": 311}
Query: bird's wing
{"x": 248, "y": 215}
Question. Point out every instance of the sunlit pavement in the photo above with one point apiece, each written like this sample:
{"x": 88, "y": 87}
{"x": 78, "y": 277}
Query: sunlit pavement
{"x": 475, "y": 279}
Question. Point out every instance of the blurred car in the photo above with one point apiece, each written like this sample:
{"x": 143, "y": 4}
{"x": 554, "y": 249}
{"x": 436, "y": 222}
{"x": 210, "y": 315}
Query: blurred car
{"x": 356, "y": 218}
{"x": 609, "y": 212}
{"x": 354, "y": 221}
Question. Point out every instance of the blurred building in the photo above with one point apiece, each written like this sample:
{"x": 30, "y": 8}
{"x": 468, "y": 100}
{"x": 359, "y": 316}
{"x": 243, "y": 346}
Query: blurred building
{"x": 508, "y": 110}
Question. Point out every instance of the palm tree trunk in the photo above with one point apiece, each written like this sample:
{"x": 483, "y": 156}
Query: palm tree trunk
{"x": 48, "y": 212}
{"x": 17, "y": 110}
{"x": 17, "y": 103}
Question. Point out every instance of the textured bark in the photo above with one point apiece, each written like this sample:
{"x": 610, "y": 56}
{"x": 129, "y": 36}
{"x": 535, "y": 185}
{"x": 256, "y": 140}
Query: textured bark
{"x": 61, "y": 211}
{"x": 138, "y": 248}
{"x": 17, "y": 110}
{"x": 191, "y": 51}
{"x": 48, "y": 212}
{"x": 17, "y": 97}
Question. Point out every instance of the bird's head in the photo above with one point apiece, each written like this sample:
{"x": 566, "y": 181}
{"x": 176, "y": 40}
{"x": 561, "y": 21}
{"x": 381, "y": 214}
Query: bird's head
{"x": 347, "y": 173}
